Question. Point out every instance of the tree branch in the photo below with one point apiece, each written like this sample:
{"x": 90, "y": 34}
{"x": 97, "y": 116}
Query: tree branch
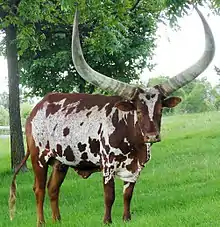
{"x": 135, "y": 5}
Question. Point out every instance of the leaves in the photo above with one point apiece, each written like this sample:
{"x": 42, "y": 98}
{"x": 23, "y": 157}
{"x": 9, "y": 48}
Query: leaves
{"x": 115, "y": 42}
{"x": 118, "y": 38}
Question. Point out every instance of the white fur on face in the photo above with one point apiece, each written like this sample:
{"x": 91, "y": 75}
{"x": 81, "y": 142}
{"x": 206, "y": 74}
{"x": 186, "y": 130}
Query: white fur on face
{"x": 154, "y": 93}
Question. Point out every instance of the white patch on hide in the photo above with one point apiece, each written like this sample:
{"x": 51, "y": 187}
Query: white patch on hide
{"x": 42, "y": 129}
{"x": 128, "y": 176}
{"x": 125, "y": 187}
{"x": 135, "y": 118}
{"x": 39, "y": 162}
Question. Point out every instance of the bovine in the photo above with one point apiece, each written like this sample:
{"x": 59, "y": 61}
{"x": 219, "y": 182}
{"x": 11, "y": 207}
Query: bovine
{"x": 93, "y": 133}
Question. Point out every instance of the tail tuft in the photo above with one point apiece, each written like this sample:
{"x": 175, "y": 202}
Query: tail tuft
{"x": 12, "y": 196}
{"x": 12, "y": 199}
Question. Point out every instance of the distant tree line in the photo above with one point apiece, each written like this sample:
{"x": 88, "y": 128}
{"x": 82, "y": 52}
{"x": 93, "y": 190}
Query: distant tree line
{"x": 197, "y": 96}
{"x": 25, "y": 109}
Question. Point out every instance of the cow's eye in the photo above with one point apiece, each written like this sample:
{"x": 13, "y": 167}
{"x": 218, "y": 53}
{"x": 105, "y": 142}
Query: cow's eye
{"x": 148, "y": 96}
{"x": 138, "y": 112}
{"x": 152, "y": 96}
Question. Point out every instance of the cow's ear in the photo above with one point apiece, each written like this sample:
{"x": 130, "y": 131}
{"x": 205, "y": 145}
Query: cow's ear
{"x": 125, "y": 106}
{"x": 171, "y": 102}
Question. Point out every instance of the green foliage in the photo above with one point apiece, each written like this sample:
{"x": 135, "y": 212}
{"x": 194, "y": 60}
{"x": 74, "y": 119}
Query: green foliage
{"x": 4, "y": 116}
{"x": 199, "y": 98}
{"x": 176, "y": 9}
{"x": 117, "y": 38}
{"x": 25, "y": 111}
{"x": 116, "y": 42}
{"x": 4, "y": 100}
{"x": 216, "y": 90}
{"x": 179, "y": 187}
{"x": 26, "y": 107}
{"x": 217, "y": 103}
{"x": 157, "y": 80}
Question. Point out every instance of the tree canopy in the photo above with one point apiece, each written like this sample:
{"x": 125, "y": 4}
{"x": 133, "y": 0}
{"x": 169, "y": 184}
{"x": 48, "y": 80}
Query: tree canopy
{"x": 118, "y": 39}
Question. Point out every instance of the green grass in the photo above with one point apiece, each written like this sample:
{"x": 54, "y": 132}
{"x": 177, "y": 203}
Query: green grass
{"x": 180, "y": 186}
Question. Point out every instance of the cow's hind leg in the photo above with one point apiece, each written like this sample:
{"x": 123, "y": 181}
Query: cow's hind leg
{"x": 128, "y": 191}
{"x": 109, "y": 195}
{"x": 56, "y": 179}
{"x": 39, "y": 189}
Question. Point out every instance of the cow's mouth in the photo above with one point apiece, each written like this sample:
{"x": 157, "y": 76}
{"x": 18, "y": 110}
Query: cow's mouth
{"x": 152, "y": 139}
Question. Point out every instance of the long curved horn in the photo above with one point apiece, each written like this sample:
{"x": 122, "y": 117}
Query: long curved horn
{"x": 195, "y": 70}
{"x": 87, "y": 73}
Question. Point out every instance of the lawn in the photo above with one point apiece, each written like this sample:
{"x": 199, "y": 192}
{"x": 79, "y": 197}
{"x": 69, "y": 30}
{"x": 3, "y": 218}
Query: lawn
{"x": 179, "y": 187}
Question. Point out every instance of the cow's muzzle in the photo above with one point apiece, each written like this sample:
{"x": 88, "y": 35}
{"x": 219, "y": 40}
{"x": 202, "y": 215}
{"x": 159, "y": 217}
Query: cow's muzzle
{"x": 152, "y": 138}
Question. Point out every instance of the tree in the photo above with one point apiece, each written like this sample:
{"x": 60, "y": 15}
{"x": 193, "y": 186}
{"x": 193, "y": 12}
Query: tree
{"x": 176, "y": 9}
{"x": 7, "y": 10}
{"x": 3, "y": 116}
{"x": 200, "y": 98}
{"x": 4, "y": 100}
{"x": 216, "y": 90}
{"x": 118, "y": 43}
{"x": 117, "y": 39}
{"x": 25, "y": 111}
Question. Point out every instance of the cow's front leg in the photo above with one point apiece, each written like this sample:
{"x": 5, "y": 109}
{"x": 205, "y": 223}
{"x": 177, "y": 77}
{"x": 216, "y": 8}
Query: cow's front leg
{"x": 127, "y": 191}
{"x": 109, "y": 196}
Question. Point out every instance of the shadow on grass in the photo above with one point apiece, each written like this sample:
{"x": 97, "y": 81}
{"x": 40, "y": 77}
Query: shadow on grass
{"x": 6, "y": 173}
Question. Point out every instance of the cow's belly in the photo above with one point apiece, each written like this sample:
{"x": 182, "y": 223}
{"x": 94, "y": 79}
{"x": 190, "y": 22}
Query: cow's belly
{"x": 71, "y": 152}
{"x": 85, "y": 160}
{"x": 70, "y": 144}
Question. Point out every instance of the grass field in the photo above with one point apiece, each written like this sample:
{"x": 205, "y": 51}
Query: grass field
{"x": 179, "y": 187}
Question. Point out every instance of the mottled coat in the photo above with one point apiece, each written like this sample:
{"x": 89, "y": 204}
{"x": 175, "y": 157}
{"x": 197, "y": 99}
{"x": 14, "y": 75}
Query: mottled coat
{"x": 89, "y": 136}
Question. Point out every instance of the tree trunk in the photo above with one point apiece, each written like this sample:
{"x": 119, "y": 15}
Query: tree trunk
{"x": 16, "y": 136}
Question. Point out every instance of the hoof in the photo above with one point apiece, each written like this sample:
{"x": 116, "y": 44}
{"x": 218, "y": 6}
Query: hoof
{"x": 107, "y": 221}
{"x": 126, "y": 218}
{"x": 41, "y": 224}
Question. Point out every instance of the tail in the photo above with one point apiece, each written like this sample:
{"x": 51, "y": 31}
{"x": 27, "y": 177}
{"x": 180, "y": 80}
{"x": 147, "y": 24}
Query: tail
{"x": 12, "y": 196}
